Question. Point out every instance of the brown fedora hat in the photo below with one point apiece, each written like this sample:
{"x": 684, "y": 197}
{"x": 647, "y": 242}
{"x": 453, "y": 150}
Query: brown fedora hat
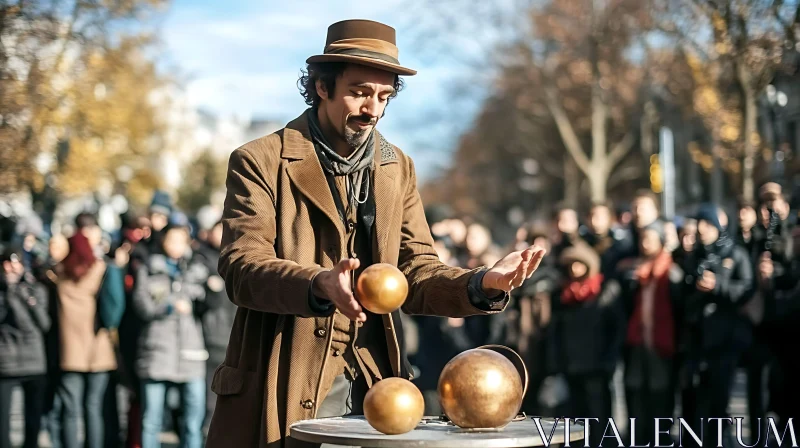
{"x": 362, "y": 42}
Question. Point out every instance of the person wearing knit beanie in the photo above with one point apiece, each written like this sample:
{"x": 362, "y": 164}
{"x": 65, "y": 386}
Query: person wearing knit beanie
{"x": 710, "y": 214}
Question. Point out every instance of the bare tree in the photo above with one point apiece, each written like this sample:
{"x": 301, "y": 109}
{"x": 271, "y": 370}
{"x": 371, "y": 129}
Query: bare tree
{"x": 735, "y": 48}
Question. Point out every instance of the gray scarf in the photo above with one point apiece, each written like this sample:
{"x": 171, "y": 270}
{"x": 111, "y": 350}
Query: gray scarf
{"x": 357, "y": 167}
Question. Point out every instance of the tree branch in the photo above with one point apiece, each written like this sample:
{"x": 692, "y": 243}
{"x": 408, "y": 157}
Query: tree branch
{"x": 626, "y": 174}
{"x": 565, "y": 129}
{"x": 620, "y": 150}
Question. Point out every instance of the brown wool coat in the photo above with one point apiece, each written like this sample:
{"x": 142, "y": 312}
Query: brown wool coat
{"x": 82, "y": 348}
{"x": 281, "y": 228}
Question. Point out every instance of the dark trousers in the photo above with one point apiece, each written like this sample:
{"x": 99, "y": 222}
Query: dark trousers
{"x": 649, "y": 392}
{"x": 707, "y": 395}
{"x": 83, "y": 394}
{"x": 755, "y": 362}
{"x": 34, "y": 391}
{"x": 590, "y": 397}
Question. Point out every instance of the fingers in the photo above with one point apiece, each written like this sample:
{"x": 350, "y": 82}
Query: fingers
{"x": 345, "y": 301}
{"x": 536, "y": 260}
{"x": 349, "y": 306}
{"x": 348, "y": 264}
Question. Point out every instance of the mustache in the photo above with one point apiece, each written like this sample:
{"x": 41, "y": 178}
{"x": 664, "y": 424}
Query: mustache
{"x": 364, "y": 119}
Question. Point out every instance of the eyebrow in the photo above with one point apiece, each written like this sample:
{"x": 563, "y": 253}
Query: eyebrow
{"x": 365, "y": 85}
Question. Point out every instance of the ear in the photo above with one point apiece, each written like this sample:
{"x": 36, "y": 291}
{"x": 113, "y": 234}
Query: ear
{"x": 322, "y": 90}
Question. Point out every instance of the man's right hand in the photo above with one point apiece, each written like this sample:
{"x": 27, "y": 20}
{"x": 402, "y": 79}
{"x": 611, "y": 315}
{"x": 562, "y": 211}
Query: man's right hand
{"x": 334, "y": 285}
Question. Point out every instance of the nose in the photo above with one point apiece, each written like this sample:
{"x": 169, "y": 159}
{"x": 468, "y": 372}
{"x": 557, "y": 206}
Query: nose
{"x": 370, "y": 106}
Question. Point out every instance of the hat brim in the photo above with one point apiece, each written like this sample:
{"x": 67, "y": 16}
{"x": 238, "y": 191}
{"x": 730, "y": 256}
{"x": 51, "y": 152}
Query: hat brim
{"x": 369, "y": 62}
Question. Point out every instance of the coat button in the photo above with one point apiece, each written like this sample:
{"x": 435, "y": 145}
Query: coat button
{"x": 337, "y": 352}
{"x": 320, "y": 332}
{"x": 308, "y": 404}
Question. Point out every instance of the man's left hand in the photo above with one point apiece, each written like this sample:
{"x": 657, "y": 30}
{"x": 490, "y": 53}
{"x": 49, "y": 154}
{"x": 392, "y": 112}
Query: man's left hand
{"x": 512, "y": 270}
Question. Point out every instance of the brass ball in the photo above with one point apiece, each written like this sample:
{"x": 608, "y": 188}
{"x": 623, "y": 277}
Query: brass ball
{"x": 394, "y": 406}
{"x": 480, "y": 388}
{"x": 381, "y": 288}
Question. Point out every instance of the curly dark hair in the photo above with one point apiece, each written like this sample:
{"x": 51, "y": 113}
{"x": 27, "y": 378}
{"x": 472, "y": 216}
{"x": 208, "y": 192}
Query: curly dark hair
{"x": 327, "y": 72}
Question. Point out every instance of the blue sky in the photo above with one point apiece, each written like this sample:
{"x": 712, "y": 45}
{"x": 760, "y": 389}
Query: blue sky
{"x": 244, "y": 57}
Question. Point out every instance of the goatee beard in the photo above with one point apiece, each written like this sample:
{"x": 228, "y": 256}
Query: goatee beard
{"x": 355, "y": 139}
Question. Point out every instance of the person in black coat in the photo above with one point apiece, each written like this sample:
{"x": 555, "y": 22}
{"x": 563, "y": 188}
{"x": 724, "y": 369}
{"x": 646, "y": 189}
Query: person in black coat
{"x": 532, "y": 302}
{"x": 586, "y": 336}
{"x": 719, "y": 281}
{"x": 218, "y": 312}
{"x": 24, "y": 321}
{"x": 567, "y": 225}
{"x": 600, "y": 233}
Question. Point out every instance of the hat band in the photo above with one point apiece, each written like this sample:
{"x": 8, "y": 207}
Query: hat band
{"x": 369, "y": 48}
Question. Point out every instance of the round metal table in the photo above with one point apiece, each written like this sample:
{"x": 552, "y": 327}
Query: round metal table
{"x": 432, "y": 432}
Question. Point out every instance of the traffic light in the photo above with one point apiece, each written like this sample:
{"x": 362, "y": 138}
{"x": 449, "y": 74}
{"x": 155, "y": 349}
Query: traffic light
{"x": 656, "y": 179}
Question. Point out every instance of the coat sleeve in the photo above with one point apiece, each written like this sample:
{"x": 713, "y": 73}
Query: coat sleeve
{"x": 40, "y": 310}
{"x": 433, "y": 287}
{"x": 736, "y": 288}
{"x": 255, "y": 278}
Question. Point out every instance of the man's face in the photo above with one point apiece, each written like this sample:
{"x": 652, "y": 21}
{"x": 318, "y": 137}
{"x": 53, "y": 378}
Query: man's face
{"x": 651, "y": 243}
{"x": 577, "y": 270}
{"x": 747, "y": 218}
{"x": 215, "y": 236}
{"x": 708, "y": 233}
{"x": 779, "y": 205}
{"x": 478, "y": 239}
{"x": 567, "y": 221}
{"x": 644, "y": 212}
{"x": 176, "y": 243}
{"x": 59, "y": 247}
{"x": 158, "y": 221}
{"x": 357, "y": 102}
{"x": 94, "y": 234}
{"x": 600, "y": 219}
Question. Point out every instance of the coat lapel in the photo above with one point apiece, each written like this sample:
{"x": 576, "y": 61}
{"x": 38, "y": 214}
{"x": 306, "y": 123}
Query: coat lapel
{"x": 387, "y": 207}
{"x": 305, "y": 170}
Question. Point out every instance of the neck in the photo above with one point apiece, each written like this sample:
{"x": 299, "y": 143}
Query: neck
{"x": 334, "y": 138}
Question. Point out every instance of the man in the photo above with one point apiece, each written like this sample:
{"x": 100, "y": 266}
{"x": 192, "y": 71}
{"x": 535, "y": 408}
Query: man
{"x": 218, "y": 318}
{"x": 719, "y": 281}
{"x": 307, "y": 208}
{"x": 600, "y": 234}
{"x": 567, "y": 226}
{"x": 748, "y": 233}
{"x": 644, "y": 211}
{"x": 160, "y": 210}
{"x": 24, "y": 322}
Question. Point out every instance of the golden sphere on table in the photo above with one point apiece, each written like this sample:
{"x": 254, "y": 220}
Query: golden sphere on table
{"x": 394, "y": 406}
{"x": 480, "y": 388}
{"x": 381, "y": 288}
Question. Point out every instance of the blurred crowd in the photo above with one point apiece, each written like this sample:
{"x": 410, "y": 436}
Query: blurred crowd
{"x": 679, "y": 304}
{"x": 89, "y": 318}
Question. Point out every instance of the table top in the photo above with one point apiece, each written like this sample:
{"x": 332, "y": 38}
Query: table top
{"x": 432, "y": 432}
